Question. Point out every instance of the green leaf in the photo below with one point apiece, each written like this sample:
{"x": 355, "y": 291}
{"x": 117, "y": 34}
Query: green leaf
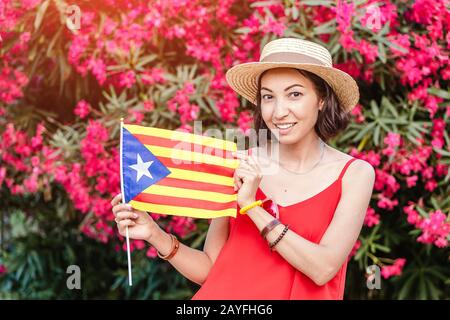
{"x": 405, "y": 290}
{"x": 439, "y": 92}
{"x": 326, "y": 28}
{"x": 375, "y": 109}
{"x": 376, "y": 136}
{"x": 381, "y": 52}
{"x": 363, "y": 131}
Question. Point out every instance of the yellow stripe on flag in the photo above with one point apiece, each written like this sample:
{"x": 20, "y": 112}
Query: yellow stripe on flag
{"x": 200, "y": 177}
{"x": 182, "y": 136}
{"x": 196, "y": 158}
{"x": 190, "y": 193}
{"x": 182, "y": 211}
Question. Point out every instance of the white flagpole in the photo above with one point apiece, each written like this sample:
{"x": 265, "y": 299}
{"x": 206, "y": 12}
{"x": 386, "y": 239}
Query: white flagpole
{"x": 130, "y": 280}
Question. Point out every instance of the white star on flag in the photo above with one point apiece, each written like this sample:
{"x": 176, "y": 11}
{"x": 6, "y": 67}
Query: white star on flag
{"x": 141, "y": 168}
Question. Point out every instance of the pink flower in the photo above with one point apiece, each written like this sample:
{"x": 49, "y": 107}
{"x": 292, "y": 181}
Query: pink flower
{"x": 152, "y": 252}
{"x": 273, "y": 26}
{"x": 245, "y": 121}
{"x": 411, "y": 181}
{"x": 148, "y": 105}
{"x": 345, "y": 11}
{"x": 357, "y": 112}
{"x": 355, "y": 248}
{"x": 368, "y": 51}
{"x": 430, "y": 185}
{"x": 413, "y": 216}
{"x": 153, "y": 76}
{"x": 181, "y": 225}
{"x": 386, "y": 203}
{"x": 393, "y": 270}
{"x": 392, "y": 139}
{"x": 435, "y": 229}
{"x": 2, "y": 175}
{"x": 127, "y": 79}
{"x": 82, "y": 109}
{"x": 372, "y": 218}
{"x": 2, "y": 269}
{"x": 98, "y": 68}
{"x": 137, "y": 115}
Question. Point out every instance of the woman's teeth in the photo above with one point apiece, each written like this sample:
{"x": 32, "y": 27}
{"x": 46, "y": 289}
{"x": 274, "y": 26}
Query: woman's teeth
{"x": 285, "y": 126}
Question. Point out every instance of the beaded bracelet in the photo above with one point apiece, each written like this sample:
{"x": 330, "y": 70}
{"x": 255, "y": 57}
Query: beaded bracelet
{"x": 273, "y": 244}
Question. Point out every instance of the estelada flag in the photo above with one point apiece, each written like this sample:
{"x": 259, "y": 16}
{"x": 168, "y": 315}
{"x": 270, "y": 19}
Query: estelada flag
{"x": 177, "y": 173}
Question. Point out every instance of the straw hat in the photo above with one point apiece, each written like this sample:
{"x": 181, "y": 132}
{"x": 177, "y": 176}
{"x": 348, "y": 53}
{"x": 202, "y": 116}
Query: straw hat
{"x": 294, "y": 53}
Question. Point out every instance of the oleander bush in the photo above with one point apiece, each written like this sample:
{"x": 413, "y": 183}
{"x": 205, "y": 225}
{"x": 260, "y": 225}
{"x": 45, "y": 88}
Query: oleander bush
{"x": 64, "y": 85}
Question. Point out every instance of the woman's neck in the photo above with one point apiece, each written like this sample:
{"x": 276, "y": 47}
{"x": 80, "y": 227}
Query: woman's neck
{"x": 299, "y": 156}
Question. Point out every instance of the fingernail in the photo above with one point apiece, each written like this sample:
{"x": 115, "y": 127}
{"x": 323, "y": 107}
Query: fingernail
{"x": 135, "y": 215}
{"x": 129, "y": 207}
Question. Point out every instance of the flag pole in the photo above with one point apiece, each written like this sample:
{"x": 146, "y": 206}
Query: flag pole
{"x": 130, "y": 279}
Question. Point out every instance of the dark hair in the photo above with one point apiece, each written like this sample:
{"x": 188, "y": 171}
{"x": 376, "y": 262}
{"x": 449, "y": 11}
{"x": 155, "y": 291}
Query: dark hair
{"x": 331, "y": 120}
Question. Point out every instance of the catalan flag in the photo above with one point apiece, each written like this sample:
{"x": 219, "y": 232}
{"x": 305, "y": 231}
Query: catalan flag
{"x": 177, "y": 173}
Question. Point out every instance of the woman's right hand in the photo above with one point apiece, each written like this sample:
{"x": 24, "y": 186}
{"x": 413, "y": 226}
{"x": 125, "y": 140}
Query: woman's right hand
{"x": 141, "y": 225}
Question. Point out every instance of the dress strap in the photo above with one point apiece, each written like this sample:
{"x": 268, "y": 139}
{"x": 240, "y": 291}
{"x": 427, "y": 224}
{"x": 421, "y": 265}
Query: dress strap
{"x": 345, "y": 168}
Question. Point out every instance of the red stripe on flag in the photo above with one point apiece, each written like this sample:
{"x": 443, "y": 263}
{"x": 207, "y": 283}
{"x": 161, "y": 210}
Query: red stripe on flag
{"x": 184, "y": 202}
{"x": 195, "y": 185}
{"x": 200, "y": 167}
{"x": 177, "y": 144}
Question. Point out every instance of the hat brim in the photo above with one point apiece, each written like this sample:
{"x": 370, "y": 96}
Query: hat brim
{"x": 243, "y": 78}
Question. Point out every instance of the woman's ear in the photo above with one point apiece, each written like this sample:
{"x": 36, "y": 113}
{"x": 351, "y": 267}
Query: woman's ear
{"x": 321, "y": 103}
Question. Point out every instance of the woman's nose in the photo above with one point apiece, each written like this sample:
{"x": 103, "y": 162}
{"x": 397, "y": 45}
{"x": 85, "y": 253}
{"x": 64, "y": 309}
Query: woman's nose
{"x": 281, "y": 110}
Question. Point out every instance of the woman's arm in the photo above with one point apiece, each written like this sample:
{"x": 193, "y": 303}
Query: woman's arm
{"x": 320, "y": 262}
{"x": 192, "y": 263}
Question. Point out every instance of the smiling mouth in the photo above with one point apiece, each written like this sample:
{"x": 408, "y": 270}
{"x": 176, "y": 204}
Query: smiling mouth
{"x": 285, "y": 126}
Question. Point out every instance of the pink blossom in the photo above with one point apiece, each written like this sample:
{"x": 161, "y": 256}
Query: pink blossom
{"x": 181, "y": 225}
{"x": 152, "y": 252}
{"x": 411, "y": 181}
{"x": 98, "y": 68}
{"x": 413, "y": 216}
{"x": 244, "y": 121}
{"x": 392, "y": 139}
{"x": 273, "y": 26}
{"x": 386, "y": 203}
{"x": 368, "y": 51}
{"x": 430, "y": 185}
{"x": 2, "y": 269}
{"x": 372, "y": 218}
{"x": 127, "y": 79}
{"x": 2, "y": 175}
{"x": 435, "y": 229}
{"x": 394, "y": 269}
{"x": 153, "y": 76}
{"x": 355, "y": 248}
{"x": 357, "y": 112}
{"x": 148, "y": 105}
{"x": 82, "y": 109}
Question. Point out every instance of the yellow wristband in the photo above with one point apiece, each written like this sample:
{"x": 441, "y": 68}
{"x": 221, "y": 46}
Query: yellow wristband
{"x": 251, "y": 205}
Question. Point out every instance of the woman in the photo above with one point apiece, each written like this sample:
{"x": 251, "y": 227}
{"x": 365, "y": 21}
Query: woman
{"x": 302, "y": 252}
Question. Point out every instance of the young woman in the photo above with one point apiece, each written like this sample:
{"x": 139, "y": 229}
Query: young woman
{"x": 322, "y": 194}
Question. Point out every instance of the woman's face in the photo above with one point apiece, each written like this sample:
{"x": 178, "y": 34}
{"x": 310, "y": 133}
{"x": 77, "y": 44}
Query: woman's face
{"x": 289, "y": 104}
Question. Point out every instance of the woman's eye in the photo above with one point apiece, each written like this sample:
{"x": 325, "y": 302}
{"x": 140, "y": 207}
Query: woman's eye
{"x": 266, "y": 96}
{"x": 296, "y": 94}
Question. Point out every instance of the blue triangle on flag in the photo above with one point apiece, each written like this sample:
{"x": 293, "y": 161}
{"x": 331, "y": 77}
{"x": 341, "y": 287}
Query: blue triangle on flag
{"x": 140, "y": 168}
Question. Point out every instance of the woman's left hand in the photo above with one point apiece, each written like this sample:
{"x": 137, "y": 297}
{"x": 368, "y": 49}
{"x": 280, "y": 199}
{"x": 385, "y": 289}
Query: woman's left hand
{"x": 246, "y": 178}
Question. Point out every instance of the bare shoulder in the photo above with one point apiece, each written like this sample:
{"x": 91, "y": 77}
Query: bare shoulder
{"x": 358, "y": 169}
{"x": 360, "y": 173}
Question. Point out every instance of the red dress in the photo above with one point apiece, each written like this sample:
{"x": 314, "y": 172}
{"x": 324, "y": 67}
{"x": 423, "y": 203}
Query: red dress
{"x": 247, "y": 269}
